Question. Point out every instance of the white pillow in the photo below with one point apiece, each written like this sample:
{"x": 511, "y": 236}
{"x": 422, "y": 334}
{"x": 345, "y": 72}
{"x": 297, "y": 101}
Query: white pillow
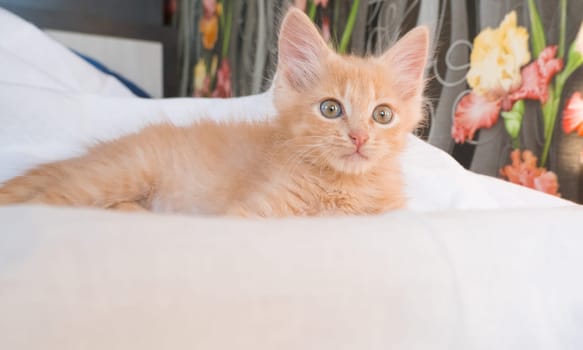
{"x": 28, "y": 57}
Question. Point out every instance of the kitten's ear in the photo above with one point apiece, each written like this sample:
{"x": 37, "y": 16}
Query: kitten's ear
{"x": 407, "y": 59}
{"x": 301, "y": 50}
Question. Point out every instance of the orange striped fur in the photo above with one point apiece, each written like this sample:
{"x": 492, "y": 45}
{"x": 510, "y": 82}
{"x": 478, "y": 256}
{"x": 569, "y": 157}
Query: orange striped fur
{"x": 298, "y": 163}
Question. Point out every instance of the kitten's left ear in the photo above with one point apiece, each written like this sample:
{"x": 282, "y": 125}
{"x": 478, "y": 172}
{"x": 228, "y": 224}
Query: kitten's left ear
{"x": 407, "y": 58}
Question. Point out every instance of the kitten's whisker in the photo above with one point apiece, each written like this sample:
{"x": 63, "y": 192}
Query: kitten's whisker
{"x": 298, "y": 157}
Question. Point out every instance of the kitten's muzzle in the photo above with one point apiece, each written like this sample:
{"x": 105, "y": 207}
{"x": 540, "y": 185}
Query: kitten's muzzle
{"x": 358, "y": 138}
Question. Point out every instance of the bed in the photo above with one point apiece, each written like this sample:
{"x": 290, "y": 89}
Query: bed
{"x": 472, "y": 263}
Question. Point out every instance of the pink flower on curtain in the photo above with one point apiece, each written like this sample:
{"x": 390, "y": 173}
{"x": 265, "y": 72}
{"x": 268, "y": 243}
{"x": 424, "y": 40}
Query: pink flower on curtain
{"x": 209, "y": 7}
{"x": 523, "y": 171}
{"x": 326, "y": 28}
{"x": 301, "y": 4}
{"x": 536, "y": 78}
{"x": 573, "y": 115}
{"x": 473, "y": 112}
{"x": 223, "y": 87}
{"x": 547, "y": 182}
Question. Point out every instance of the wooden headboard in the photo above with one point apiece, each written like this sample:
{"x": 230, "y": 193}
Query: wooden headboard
{"x": 131, "y": 19}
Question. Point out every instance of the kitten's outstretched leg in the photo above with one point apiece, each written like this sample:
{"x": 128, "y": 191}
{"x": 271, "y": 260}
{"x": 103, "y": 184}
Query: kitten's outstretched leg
{"x": 77, "y": 184}
{"x": 110, "y": 175}
{"x": 22, "y": 188}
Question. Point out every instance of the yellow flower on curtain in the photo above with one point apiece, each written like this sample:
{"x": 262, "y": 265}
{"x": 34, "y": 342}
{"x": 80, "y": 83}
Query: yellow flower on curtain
{"x": 214, "y": 65}
{"x": 209, "y": 23}
{"x": 497, "y": 56}
{"x": 199, "y": 74}
{"x": 201, "y": 79}
{"x": 209, "y": 27}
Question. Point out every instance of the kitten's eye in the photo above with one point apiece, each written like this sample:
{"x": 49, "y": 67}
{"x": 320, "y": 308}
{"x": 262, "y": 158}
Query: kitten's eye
{"x": 383, "y": 114}
{"x": 331, "y": 109}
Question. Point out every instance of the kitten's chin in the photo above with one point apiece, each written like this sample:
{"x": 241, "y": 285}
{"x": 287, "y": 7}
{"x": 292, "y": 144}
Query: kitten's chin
{"x": 354, "y": 164}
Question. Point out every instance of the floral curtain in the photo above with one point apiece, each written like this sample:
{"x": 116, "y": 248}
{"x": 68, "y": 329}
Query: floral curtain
{"x": 522, "y": 81}
{"x": 503, "y": 95}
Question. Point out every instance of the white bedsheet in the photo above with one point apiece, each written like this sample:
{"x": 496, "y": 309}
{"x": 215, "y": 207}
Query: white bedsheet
{"x": 80, "y": 279}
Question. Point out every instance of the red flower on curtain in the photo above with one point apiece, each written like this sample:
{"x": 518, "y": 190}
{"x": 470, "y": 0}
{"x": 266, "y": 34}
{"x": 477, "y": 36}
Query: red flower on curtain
{"x": 473, "y": 112}
{"x": 523, "y": 171}
{"x": 223, "y": 87}
{"x": 536, "y": 78}
{"x": 326, "y": 28}
{"x": 573, "y": 115}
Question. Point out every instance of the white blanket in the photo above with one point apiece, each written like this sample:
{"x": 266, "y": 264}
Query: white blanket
{"x": 80, "y": 279}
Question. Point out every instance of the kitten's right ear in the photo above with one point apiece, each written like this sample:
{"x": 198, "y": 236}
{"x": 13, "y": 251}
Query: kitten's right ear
{"x": 301, "y": 50}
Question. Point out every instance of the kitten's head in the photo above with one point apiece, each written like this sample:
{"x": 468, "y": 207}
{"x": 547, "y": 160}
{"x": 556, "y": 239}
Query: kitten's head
{"x": 345, "y": 112}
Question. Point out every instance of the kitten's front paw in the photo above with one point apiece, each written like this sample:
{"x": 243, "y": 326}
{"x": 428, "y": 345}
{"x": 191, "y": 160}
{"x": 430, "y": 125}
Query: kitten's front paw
{"x": 240, "y": 212}
{"x": 128, "y": 207}
{"x": 50, "y": 198}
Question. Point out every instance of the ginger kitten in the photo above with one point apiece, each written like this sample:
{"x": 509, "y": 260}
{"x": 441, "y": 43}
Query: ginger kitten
{"x": 333, "y": 147}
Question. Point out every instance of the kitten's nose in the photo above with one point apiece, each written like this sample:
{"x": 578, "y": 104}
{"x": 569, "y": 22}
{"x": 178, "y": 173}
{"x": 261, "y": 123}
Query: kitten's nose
{"x": 359, "y": 138}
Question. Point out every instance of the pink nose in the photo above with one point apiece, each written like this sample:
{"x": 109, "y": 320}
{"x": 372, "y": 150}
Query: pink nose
{"x": 359, "y": 138}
